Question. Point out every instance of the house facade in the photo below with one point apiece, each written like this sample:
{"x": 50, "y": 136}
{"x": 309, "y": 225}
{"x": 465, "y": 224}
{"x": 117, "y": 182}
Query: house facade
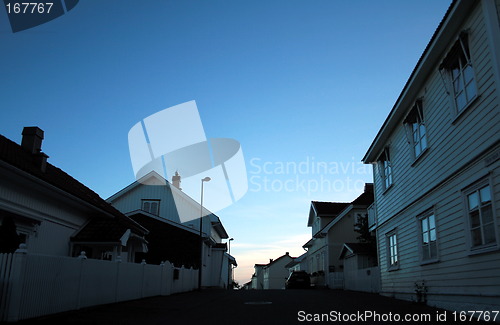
{"x": 275, "y": 273}
{"x": 333, "y": 224}
{"x": 48, "y": 207}
{"x": 437, "y": 171}
{"x": 258, "y": 277}
{"x": 154, "y": 200}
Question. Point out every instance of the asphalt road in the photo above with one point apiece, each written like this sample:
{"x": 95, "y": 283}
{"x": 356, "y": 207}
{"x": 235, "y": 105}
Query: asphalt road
{"x": 256, "y": 307}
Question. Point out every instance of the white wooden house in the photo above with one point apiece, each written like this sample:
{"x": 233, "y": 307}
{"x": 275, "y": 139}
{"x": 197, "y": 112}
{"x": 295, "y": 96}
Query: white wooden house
{"x": 154, "y": 199}
{"x": 437, "y": 170}
{"x": 49, "y": 207}
{"x": 258, "y": 277}
{"x": 275, "y": 272}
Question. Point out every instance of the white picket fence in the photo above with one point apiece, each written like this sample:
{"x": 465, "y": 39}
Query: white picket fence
{"x": 36, "y": 285}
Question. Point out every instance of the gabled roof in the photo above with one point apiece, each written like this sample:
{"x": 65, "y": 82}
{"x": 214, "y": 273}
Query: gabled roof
{"x": 272, "y": 262}
{"x": 362, "y": 201}
{"x": 296, "y": 260}
{"x": 154, "y": 179}
{"x": 14, "y": 155}
{"x": 358, "y": 249}
{"x": 324, "y": 209}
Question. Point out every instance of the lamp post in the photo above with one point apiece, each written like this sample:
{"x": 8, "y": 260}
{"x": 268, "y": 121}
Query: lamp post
{"x": 230, "y": 286}
{"x": 206, "y": 179}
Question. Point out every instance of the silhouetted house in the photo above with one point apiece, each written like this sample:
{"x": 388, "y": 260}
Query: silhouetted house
{"x": 48, "y": 206}
{"x": 436, "y": 169}
{"x": 333, "y": 224}
{"x": 258, "y": 277}
{"x": 154, "y": 202}
{"x": 275, "y": 273}
{"x": 298, "y": 264}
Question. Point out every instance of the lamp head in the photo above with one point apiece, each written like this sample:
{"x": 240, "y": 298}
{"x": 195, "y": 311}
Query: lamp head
{"x": 206, "y": 179}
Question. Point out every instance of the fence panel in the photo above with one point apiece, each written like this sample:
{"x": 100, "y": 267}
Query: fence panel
{"x": 35, "y": 285}
{"x": 46, "y": 279}
{"x": 5, "y": 268}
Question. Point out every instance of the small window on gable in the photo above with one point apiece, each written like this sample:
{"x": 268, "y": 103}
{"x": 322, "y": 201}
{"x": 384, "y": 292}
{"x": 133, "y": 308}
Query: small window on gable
{"x": 151, "y": 206}
{"x": 385, "y": 168}
{"x": 461, "y": 73}
{"x": 415, "y": 129}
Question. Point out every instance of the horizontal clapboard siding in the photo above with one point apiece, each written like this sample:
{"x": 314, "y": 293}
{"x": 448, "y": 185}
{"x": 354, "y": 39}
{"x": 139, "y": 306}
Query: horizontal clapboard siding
{"x": 456, "y": 158}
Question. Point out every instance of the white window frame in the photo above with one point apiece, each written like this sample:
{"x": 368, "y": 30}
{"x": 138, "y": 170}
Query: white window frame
{"x": 393, "y": 260}
{"x": 424, "y": 219}
{"x": 416, "y": 130}
{"x": 461, "y": 75}
{"x": 476, "y": 189}
{"x": 385, "y": 169}
{"x": 150, "y": 202}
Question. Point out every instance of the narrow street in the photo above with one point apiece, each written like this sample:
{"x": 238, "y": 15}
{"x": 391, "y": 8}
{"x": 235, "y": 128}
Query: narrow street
{"x": 256, "y": 307}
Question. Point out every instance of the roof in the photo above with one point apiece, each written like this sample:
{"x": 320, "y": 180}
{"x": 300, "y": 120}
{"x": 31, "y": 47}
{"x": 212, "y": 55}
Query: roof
{"x": 296, "y": 260}
{"x": 272, "y": 262}
{"x": 427, "y": 62}
{"x": 14, "y": 155}
{"x": 358, "y": 249}
{"x": 366, "y": 198}
{"x": 328, "y": 208}
{"x": 325, "y": 209}
{"x": 106, "y": 230}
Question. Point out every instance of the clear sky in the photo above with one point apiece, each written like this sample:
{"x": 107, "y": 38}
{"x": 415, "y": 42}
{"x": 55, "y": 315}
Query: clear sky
{"x": 300, "y": 84}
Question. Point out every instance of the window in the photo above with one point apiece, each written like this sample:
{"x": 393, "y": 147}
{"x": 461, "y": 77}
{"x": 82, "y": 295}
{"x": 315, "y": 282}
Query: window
{"x": 393, "y": 256}
{"x": 428, "y": 238}
{"x": 415, "y": 128}
{"x": 385, "y": 166}
{"x": 481, "y": 216}
{"x": 151, "y": 206}
{"x": 459, "y": 66}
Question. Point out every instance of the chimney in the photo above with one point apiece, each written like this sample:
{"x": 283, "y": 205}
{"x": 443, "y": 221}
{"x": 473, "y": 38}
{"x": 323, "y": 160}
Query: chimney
{"x": 287, "y": 253}
{"x": 270, "y": 260}
{"x": 32, "y": 139}
{"x": 32, "y": 143}
{"x": 176, "y": 180}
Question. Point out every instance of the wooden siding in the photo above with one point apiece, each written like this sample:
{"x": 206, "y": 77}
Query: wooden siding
{"x": 448, "y": 147}
{"x": 455, "y": 159}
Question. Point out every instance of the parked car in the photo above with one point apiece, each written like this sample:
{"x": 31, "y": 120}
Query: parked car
{"x": 297, "y": 280}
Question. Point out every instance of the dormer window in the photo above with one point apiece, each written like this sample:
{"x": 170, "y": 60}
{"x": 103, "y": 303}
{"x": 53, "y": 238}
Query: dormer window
{"x": 415, "y": 128}
{"x": 385, "y": 168}
{"x": 151, "y": 206}
{"x": 461, "y": 73}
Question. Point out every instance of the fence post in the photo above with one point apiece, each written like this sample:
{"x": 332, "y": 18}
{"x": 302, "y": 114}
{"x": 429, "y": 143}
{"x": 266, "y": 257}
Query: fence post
{"x": 118, "y": 265}
{"x": 143, "y": 263}
{"x": 14, "y": 296}
{"x": 82, "y": 257}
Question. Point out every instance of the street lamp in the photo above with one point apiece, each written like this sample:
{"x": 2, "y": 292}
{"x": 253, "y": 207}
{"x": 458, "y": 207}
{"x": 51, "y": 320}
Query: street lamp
{"x": 229, "y": 241}
{"x": 206, "y": 179}
{"x": 230, "y": 280}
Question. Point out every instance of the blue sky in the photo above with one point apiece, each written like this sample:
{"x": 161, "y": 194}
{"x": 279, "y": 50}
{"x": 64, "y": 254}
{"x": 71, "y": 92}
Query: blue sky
{"x": 293, "y": 81}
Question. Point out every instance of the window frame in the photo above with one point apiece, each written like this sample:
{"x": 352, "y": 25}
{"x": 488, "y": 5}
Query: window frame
{"x": 416, "y": 116}
{"x": 421, "y": 217}
{"x": 157, "y": 201}
{"x": 385, "y": 164}
{"x": 389, "y": 245}
{"x": 476, "y": 188}
{"x": 460, "y": 51}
